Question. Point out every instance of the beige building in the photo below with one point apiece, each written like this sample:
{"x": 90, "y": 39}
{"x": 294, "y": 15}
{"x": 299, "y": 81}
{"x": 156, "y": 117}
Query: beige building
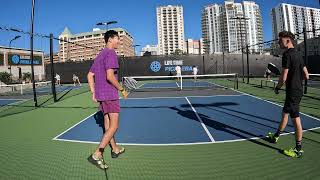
{"x": 47, "y": 58}
{"x": 17, "y": 61}
{"x": 86, "y": 46}
{"x": 170, "y": 28}
{"x": 194, "y": 46}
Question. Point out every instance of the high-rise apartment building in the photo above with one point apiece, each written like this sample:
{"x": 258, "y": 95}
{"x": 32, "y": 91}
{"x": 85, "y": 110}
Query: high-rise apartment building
{"x": 170, "y": 26}
{"x": 288, "y": 17}
{"x": 194, "y": 46}
{"x": 228, "y": 27}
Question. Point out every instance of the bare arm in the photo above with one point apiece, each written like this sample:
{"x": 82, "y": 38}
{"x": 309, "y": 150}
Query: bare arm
{"x": 282, "y": 78}
{"x": 306, "y": 73}
{"x": 113, "y": 80}
{"x": 90, "y": 77}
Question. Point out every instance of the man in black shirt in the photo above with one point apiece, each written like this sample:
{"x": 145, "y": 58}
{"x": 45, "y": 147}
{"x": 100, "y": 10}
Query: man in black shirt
{"x": 293, "y": 73}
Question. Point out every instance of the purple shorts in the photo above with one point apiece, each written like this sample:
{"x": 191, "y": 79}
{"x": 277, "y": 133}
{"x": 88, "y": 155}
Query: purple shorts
{"x": 111, "y": 106}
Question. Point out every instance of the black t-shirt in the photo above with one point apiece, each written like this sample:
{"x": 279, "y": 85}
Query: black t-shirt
{"x": 293, "y": 61}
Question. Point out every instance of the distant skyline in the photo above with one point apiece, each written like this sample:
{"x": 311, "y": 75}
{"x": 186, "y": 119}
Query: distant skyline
{"x": 137, "y": 17}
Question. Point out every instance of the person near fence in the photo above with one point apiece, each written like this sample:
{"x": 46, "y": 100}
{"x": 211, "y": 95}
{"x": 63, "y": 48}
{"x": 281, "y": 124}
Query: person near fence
{"x": 292, "y": 75}
{"x": 104, "y": 86}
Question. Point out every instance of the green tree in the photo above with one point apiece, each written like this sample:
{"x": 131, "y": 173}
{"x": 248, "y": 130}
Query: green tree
{"x": 178, "y": 52}
{"x": 26, "y": 76}
{"x": 5, "y": 77}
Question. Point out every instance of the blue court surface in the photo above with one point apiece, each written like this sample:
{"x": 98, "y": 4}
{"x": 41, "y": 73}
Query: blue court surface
{"x": 187, "y": 120}
{"x": 4, "y": 102}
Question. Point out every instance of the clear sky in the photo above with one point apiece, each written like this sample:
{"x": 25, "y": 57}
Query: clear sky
{"x": 138, "y": 17}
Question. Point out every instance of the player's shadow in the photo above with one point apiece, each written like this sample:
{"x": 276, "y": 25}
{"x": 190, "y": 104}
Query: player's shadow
{"x": 220, "y": 107}
{"x": 100, "y": 120}
{"x": 99, "y": 117}
{"x": 242, "y": 134}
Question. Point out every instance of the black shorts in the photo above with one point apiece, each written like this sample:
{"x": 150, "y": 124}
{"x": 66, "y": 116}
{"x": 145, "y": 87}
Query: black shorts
{"x": 291, "y": 105}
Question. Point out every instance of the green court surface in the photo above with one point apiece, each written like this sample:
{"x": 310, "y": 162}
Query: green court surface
{"x": 27, "y": 150}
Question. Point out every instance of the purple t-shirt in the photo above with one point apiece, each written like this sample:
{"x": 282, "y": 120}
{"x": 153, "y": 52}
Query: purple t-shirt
{"x": 104, "y": 90}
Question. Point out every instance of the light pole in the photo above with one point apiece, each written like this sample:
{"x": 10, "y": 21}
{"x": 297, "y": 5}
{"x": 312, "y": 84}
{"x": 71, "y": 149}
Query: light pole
{"x": 15, "y": 38}
{"x": 31, "y": 55}
{"x": 106, "y": 24}
{"x": 134, "y": 48}
{"x": 241, "y": 38}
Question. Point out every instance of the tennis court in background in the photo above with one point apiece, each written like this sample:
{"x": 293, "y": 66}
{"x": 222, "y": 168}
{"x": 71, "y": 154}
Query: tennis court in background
{"x": 4, "y": 102}
{"x": 25, "y": 91}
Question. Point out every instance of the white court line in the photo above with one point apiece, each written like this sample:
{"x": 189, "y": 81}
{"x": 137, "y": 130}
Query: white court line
{"x": 182, "y": 144}
{"x": 84, "y": 142}
{"x": 277, "y": 104}
{"x": 73, "y": 126}
{"x": 202, "y": 124}
{"x": 134, "y": 144}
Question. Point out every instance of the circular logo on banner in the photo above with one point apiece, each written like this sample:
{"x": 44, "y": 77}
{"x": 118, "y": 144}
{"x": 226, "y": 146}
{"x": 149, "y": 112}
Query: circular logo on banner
{"x": 15, "y": 59}
{"x": 155, "y": 66}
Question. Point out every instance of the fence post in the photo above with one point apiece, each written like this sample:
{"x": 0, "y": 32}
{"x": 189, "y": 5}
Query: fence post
{"x": 305, "y": 57}
{"x": 223, "y": 70}
{"x": 53, "y": 84}
{"x": 248, "y": 70}
{"x": 203, "y": 66}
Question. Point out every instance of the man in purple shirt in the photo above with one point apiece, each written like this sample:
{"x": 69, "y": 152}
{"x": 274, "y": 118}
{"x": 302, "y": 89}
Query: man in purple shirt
{"x": 104, "y": 86}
